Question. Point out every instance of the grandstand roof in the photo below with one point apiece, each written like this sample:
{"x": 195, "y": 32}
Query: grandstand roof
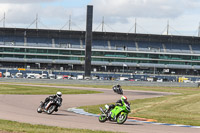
{"x": 99, "y": 35}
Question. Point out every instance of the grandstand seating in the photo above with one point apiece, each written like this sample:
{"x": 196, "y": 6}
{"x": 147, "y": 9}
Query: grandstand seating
{"x": 122, "y": 45}
{"x": 152, "y": 47}
{"x": 195, "y": 49}
{"x": 99, "y": 44}
{"x": 67, "y": 41}
{"x": 39, "y": 40}
{"x": 98, "y": 47}
{"x": 177, "y": 48}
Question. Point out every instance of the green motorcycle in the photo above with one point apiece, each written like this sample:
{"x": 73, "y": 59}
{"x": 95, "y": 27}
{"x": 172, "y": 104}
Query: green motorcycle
{"x": 118, "y": 114}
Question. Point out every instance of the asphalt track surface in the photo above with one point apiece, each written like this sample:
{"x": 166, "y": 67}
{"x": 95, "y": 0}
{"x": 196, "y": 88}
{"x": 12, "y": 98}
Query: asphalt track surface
{"x": 22, "y": 108}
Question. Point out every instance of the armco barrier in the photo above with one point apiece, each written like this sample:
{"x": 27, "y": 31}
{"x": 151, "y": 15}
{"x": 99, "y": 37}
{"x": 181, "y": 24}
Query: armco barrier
{"x": 100, "y": 82}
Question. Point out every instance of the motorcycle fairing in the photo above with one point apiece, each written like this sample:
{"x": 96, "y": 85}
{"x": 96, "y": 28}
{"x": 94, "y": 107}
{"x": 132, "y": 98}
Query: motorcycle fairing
{"x": 116, "y": 111}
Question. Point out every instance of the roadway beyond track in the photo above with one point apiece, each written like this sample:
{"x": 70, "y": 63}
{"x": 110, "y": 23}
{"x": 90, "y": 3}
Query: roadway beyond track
{"x": 22, "y": 108}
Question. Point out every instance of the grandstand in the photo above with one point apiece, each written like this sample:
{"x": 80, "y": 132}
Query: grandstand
{"x": 56, "y": 49}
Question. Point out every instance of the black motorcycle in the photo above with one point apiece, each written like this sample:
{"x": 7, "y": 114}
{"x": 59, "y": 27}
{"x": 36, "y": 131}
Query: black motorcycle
{"x": 49, "y": 107}
{"x": 117, "y": 90}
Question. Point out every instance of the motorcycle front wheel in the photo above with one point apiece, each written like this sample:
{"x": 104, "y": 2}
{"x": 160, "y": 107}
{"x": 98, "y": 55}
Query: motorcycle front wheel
{"x": 102, "y": 118}
{"x": 121, "y": 118}
{"x": 51, "y": 109}
{"x": 114, "y": 89}
{"x": 39, "y": 110}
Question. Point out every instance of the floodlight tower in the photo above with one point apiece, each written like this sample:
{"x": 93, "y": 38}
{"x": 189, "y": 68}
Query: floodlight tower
{"x": 88, "y": 41}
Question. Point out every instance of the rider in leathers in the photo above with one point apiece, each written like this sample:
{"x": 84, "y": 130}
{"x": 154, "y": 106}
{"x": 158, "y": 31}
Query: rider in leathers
{"x": 58, "y": 94}
{"x": 116, "y": 86}
{"x": 118, "y": 103}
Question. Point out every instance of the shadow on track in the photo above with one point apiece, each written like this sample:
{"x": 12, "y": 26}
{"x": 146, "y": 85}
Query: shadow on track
{"x": 62, "y": 114}
{"x": 128, "y": 124}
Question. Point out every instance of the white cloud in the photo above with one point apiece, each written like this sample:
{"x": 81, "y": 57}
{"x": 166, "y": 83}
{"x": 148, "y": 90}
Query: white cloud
{"x": 143, "y": 8}
{"x": 152, "y": 15}
{"x": 49, "y": 15}
{"x": 119, "y": 15}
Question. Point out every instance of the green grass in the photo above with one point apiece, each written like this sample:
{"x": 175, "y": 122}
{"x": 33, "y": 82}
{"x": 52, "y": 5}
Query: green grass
{"x": 56, "y": 84}
{"x": 34, "y": 90}
{"x": 182, "y": 108}
{"x": 12, "y": 126}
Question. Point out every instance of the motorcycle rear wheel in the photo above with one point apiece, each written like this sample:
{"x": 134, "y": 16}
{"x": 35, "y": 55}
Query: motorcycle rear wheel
{"x": 51, "y": 109}
{"x": 102, "y": 118}
{"x": 122, "y": 118}
{"x": 120, "y": 91}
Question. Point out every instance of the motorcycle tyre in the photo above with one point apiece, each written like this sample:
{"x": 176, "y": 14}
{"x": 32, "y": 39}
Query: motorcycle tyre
{"x": 114, "y": 89}
{"x": 52, "y": 107}
{"x": 104, "y": 118}
{"x": 39, "y": 110}
{"x": 120, "y": 91}
{"x": 124, "y": 119}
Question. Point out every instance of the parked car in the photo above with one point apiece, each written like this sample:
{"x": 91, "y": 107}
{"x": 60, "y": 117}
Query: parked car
{"x": 72, "y": 78}
{"x": 19, "y": 75}
{"x": 137, "y": 79}
{"x": 30, "y": 75}
{"x": 123, "y": 78}
{"x": 44, "y": 76}
{"x": 59, "y": 76}
{"x": 65, "y": 76}
{"x": 197, "y": 81}
{"x": 188, "y": 81}
{"x": 131, "y": 79}
{"x": 159, "y": 80}
{"x": 52, "y": 76}
{"x": 80, "y": 77}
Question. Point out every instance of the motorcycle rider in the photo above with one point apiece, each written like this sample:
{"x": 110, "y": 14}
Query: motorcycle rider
{"x": 58, "y": 95}
{"x": 118, "y": 103}
{"x": 115, "y": 87}
{"x": 118, "y": 85}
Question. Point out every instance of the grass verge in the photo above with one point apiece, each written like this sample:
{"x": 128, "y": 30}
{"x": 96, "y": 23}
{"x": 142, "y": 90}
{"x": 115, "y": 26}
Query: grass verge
{"x": 33, "y": 90}
{"x": 183, "y": 108}
{"x": 12, "y": 126}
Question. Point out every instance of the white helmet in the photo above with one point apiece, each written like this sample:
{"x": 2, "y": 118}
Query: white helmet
{"x": 59, "y": 94}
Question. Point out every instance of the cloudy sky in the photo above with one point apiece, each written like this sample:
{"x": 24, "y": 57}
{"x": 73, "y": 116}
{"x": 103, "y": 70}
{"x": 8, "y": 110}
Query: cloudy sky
{"x": 119, "y": 15}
